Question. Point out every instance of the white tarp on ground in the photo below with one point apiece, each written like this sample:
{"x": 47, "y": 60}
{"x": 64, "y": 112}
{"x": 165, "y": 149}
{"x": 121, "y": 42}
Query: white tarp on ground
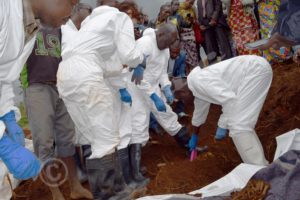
{"x": 170, "y": 197}
{"x": 286, "y": 142}
{"x": 238, "y": 178}
{"x": 5, "y": 188}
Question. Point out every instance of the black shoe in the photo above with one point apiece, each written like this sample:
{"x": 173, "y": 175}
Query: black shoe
{"x": 198, "y": 149}
{"x": 182, "y": 137}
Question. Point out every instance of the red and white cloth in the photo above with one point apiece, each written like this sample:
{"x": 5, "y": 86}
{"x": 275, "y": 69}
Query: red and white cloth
{"x": 243, "y": 25}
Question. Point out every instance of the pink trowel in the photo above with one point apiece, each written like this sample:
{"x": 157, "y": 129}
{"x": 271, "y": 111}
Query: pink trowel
{"x": 200, "y": 150}
{"x": 193, "y": 155}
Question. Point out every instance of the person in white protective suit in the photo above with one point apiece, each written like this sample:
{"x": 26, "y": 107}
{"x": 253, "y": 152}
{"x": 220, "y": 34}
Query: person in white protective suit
{"x": 19, "y": 22}
{"x": 148, "y": 96}
{"x": 240, "y": 85}
{"x": 122, "y": 102}
{"x": 115, "y": 77}
{"x": 88, "y": 97}
{"x": 120, "y": 83}
{"x": 80, "y": 12}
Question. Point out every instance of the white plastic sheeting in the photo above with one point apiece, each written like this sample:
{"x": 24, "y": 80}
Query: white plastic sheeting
{"x": 170, "y": 197}
{"x": 238, "y": 178}
{"x": 286, "y": 142}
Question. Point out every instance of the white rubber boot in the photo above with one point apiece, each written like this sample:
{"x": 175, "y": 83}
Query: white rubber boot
{"x": 250, "y": 149}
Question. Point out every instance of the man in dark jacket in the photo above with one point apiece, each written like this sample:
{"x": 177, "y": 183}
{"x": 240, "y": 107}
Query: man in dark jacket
{"x": 213, "y": 24}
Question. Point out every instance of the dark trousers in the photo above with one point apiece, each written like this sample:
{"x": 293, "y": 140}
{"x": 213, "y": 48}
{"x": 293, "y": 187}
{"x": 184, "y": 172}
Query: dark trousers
{"x": 214, "y": 36}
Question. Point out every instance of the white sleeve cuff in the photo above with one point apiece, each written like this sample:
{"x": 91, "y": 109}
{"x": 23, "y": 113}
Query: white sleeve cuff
{"x": 2, "y": 129}
{"x": 197, "y": 123}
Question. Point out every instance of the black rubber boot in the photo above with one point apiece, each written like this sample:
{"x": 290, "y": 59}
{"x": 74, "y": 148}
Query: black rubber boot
{"x": 182, "y": 137}
{"x": 135, "y": 161}
{"x": 126, "y": 168}
{"x": 105, "y": 179}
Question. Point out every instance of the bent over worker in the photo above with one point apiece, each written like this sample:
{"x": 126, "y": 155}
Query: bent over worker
{"x": 240, "y": 85}
{"x": 88, "y": 98}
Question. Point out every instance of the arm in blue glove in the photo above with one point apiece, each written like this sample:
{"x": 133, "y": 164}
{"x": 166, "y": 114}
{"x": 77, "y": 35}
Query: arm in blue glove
{"x": 158, "y": 102}
{"x": 21, "y": 162}
{"x": 221, "y": 133}
{"x": 125, "y": 96}
{"x": 169, "y": 94}
{"x": 194, "y": 139}
{"x": 138, "y": 72}
{"x": 14, "y": 131}
{"x": 193, "y": 142}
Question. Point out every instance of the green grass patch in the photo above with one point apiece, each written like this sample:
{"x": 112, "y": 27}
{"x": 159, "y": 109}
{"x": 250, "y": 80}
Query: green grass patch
{"x": 24, "y": 120}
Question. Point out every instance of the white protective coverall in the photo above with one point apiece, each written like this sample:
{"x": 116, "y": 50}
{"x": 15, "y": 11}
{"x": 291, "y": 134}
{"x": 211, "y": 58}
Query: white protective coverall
{"x": 68, "y": 30}
{"x": 117, "y": 81}
{"x": 80, "y": 77}
{"x": 155, "y": 74}
{"x": 240, "y": 85}
{"x": 13, "y": 53}
{"x": 116, "y": 78}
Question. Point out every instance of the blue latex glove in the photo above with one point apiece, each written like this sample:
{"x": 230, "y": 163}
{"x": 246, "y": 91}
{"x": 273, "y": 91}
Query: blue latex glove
{"x": 221, "y": 133}
{"x": 138, "y": 72}
{"x": 159, "y": 103}
{"x": 14, "y": 131}
{"x": 193, "y": 142}
{"x": 169, "y": 94}
{"x": 21, "y": 162}
{"x": 125, "y": 96}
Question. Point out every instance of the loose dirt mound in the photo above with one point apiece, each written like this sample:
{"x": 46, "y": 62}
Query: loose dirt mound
{"x": 172, "y": 172}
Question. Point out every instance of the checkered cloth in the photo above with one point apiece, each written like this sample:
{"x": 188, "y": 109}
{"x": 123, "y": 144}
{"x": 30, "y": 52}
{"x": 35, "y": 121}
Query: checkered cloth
{"x": 244, "y": 26}
{"x": 268, "y": 13}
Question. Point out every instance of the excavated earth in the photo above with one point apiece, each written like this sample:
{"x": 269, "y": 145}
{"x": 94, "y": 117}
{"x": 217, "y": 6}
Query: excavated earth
{"x": 167, "y": 164}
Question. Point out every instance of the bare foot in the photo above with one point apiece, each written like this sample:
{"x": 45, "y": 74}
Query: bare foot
{"x": 56, "y": 194}
{"x": 80, "y": 192}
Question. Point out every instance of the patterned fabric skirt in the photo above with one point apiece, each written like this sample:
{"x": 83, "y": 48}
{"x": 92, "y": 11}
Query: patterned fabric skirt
{"x": 243, "y": 26}
{"x": 188, "y": 44}
{"x": 268, "y": 13}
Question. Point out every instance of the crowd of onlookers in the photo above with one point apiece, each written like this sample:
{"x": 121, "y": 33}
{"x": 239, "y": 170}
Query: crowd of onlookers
{"x": 221, "y": 27}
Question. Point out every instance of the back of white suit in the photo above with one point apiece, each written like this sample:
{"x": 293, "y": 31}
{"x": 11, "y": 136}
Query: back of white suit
{"x": 240, "y": 85}
{"x": 81, "y": 75}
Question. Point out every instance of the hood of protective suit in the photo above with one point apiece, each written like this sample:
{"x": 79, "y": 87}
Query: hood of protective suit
{"x": 102, "y": 10}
